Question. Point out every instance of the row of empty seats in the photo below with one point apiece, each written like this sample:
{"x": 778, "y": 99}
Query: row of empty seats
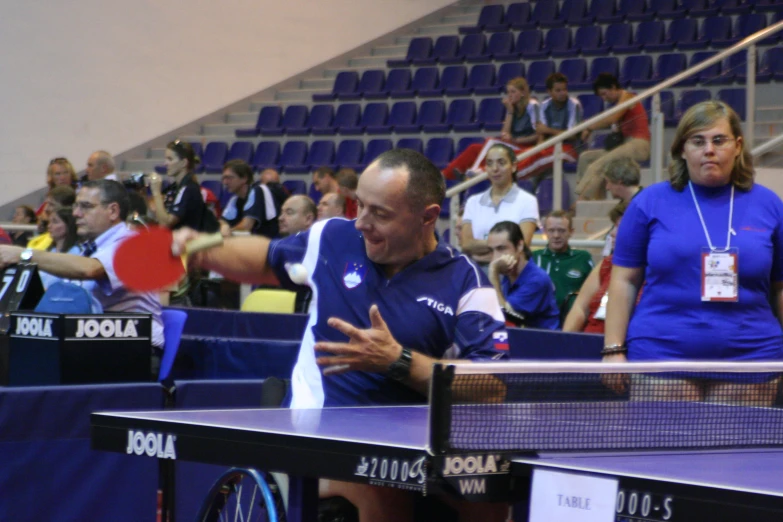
{"x": 617, "y": 38}
{"x": 482, "y": 79}
{"x": 549, "y": 13}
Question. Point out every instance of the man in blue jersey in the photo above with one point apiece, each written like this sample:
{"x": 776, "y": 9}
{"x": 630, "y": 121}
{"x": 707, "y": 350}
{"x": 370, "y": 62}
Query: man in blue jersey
{"x": 388, "y": 300}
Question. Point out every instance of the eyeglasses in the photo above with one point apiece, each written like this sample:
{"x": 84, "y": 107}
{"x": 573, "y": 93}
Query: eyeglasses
{"x": 718, "y": 142}
{"x": 86, "y": 206}
{"x": 56, "y": 160}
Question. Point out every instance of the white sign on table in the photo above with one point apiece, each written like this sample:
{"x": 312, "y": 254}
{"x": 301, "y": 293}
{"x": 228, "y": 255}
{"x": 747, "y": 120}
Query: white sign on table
{"x": 558, "y": 496}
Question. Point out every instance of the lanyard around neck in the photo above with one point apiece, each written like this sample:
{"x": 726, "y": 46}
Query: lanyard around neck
{"x": 704, "y": 226}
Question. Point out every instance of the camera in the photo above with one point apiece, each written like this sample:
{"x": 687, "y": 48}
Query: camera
{"x": 135, "y": 181}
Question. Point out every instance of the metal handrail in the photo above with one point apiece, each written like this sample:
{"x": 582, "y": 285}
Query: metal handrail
{"x": 747, "y": 42}
{"x": 767, "y": 146}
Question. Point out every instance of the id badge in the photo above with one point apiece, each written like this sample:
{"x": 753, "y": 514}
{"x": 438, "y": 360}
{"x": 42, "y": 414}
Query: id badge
{"x": 719, "y": 275}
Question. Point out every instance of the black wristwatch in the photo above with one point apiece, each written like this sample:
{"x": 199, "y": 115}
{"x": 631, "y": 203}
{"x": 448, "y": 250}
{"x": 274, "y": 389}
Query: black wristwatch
{"x": 400, "y": 370}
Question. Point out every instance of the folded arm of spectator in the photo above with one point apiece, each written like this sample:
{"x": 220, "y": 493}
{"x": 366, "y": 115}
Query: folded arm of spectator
{"x": 161, "y": 215}
{"x": 472, "y": 246}
{"x": 66, "y": 266}
{"x": 577, "y": 317}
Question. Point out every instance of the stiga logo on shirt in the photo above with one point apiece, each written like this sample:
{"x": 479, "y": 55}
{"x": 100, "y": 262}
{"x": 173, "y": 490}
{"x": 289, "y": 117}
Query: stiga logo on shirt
{"x": 575, "y": 274}
{"x": 432, "y": 303}
{"x": 151, "y": 444}
{"x": 106, "y": 328}
{"x": 33, "y": 326}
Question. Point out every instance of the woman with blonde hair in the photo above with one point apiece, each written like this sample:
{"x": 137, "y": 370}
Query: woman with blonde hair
{"x": 518, "y": 132}
{"x": 708, "y": 245}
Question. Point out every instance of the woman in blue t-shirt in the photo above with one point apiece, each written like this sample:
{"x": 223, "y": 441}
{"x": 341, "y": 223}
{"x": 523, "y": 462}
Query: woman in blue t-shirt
{"x": 708, "y": 246}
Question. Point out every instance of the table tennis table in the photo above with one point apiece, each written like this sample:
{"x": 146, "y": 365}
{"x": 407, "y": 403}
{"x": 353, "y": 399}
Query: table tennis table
{"x": 404, "y": 447}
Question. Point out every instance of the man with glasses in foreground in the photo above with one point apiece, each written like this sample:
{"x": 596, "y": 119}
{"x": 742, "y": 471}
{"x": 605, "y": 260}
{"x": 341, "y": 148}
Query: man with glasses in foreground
{"x": 101, "y": 209}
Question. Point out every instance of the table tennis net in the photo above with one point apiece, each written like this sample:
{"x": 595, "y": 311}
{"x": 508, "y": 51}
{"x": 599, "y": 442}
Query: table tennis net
{"x": 592, "y": 406}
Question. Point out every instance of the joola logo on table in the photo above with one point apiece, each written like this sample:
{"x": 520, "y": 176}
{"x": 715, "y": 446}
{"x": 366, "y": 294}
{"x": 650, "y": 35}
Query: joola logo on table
{"x": 479, "y": 464}
{"x": 106, "y": 328}
{"x": 34, "y": 326}
{"x": 432, "y": 303}
{"x": 151, "y": 444}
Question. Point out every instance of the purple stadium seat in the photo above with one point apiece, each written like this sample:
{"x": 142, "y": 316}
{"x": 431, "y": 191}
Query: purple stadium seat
{"x": 774, "y": 18}
{"x": 506, "y": 72}
{"x": 525, "y": 39}
{"x": 684, "y": 34}
{"x": 667, "y": 108}
{"x": 240, "y": 150}
{"x": 398, "y": 84}
{"x": 214, "y": 157}
{"x": 371, "y": 83}
{"x": 474, "y": 47}
{"x": 453, "y": 77}
{"x": 635, "y": 10}
{"x": 575, "y": 69}
{"x": 716, "y": 31}
{"x": 345, "y": 82}
{"x": 537, "y": 73}
{"x": 425, "y": 79}
{"x": 592, "y": 104}
{"x": 558, "y": 42}
{"x": 349, "y": 153}
{"x": 295, "y": 117}
{"x": 738, "y": 63}
{"x": 768, "y": 6}
{"x": 732, "y": 7}
{"x": 446, "y": 50}
{"x": 618, "y": 36}
{"x": 699, "y": 8}
{"x": 491, "y": 15}
{"x": 734, "y": 98}
{"x": 292, "y": 159}
{"x": 545, "y": 195}
{"x": 545, "y": 14}
{"x": 588, "y": 41}
{"x": 314, "y": 194}
{"x": 319, "y": 122}
{"x": 321, "y": 154}
{"x": 440, "y": 151}
{"x": 268, "y": 117}
{"x": 636, "y": 71}
{"x": 431, "y": 112}
{"x": 574, "y": 12}
{"x": 518, "y": 16}
{"x": 374, "y": 115}
{"x": 401, "y": 114}
{"x": 461, "y": 112}
{"x": 605, "y": 11}
{"x": 772, "y": 62}
{"x": 374, "y": 149}
{"x": 464, "y": 143}
{"x": 267, "y": 155}
{"x": 500, "y": 44}
{"x": 648, "y": 33}
{"x": 667, "y": 9}
{"x": 604, "y": 64}
{"x": 666, "y": 66}
{"x": 419, "y": 48}
{"x": 690, "y": 98}
{"x": 481, "y": 78}
{"x": 491, "y": 114}
{"x": 296, "y": 186}
{"x": 747, "y": 24}
{"x": 347, "y": 116}
{"x": 712, "y": 75}
{"x": 530, "y": 44}
{"x": 411, "y": 143}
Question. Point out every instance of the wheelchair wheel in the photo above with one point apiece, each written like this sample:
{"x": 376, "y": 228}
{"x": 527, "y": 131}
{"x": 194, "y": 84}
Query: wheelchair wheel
{"x": 245, "y": 495}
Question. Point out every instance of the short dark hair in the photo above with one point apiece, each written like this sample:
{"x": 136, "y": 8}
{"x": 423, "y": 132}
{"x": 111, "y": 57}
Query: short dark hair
{"x": 605, "y": 81}
{"x": 111, "y": 192}
{"x": 240, "y": 168}
{"x": 514, "y": 235}
{"x": 561, "y": 214}
{"x": 324, "y": 171}
{"x": 426, "y": 185}
{"x": 554, "y": 78}
{"x": 29, "y": 212}
{"x": 347, "y": 178}
{"x": 623, "y": 170}
{"x": 184, "y": 150}
{"x": 64, "y": 195}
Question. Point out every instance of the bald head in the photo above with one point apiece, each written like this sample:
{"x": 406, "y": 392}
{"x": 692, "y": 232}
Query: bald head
{"x": 99, "y": 165}
{"x": 298, "y": 214}
{"x": 269, "y": 176}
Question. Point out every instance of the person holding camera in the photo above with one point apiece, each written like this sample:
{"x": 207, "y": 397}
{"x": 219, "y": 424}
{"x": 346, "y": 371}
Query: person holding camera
{"x": 630, "y": 138}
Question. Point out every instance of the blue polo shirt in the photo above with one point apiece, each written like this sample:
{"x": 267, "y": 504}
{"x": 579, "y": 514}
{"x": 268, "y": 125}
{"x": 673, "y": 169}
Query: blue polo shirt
{"x": 442, "y": 306}
{"x": 533, "y": 294}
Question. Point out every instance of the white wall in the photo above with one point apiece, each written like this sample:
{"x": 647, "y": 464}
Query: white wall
{"x": 80, "y": 75}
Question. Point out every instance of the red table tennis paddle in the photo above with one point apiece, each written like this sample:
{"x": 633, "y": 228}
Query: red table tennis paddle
{"x": 144, "y": 261}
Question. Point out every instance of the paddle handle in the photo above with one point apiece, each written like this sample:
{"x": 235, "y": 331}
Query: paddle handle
{"x": 203, "y": 243}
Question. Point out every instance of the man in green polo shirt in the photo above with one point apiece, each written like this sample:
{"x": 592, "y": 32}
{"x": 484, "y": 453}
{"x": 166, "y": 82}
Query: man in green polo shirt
{"x": 568, "y": 268}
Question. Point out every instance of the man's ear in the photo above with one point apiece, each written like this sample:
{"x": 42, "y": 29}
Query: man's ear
{"x": 114, "y": 210}
{"x": 431, "y": 214}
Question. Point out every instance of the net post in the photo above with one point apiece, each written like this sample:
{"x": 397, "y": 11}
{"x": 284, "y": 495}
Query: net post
{"x": 440, "y": 407}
